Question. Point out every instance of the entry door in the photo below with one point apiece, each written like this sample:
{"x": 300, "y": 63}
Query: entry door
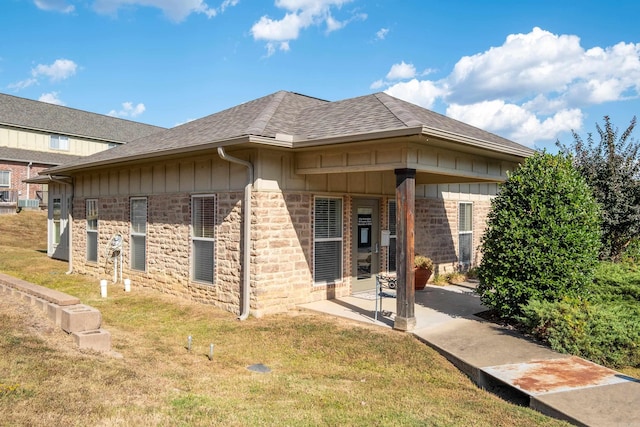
{"x": 58, "y": 246}
{"x": 366, "y": 244}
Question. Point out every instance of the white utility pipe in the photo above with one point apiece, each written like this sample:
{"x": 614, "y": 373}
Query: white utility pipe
{"x": 246, "y": 255}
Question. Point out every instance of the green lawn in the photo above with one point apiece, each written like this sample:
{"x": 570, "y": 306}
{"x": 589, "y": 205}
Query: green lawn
{"x": 324, "y": 371}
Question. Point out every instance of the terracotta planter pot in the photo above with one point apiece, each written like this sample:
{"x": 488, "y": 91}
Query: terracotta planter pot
{"x": 421, "y": 277}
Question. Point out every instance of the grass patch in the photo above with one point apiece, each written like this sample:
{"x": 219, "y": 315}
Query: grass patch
{"x": 324, "y": 371}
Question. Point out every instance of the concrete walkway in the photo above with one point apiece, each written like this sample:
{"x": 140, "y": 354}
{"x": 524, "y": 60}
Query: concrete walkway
{"x": 501, "y": 360}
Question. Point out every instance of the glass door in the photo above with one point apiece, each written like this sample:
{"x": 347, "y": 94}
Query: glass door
{"x": 365, "y": 243}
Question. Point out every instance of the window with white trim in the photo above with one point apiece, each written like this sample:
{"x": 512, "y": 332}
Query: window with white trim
{"x": 5, "y": 179}
{"x": 59, "y": 142}
{"x": 391, "y": 250}
{"x": 203, "y": 238}
{"x": 56, "y": 215}
{"x": 139, "y": 234}
{"x": 327, "y": 240}
{"x": 92, "y": 229}
{"x": 465, "y": 234}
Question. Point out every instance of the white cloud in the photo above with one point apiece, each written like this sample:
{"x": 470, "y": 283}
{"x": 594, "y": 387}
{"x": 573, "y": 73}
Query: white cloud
{"x": 381, "y": 34}
{"x": 61, "y": 69}
{"x": 515, "y": 122}
{"x": 377, "y": 84}
{"x": 51, "y": 98}
{"x": 23, "y": 84}
{"x": 300, "y": 15}
{"x": 128, "y": 110}
{"x": 175, "y": 10}
{"x": 55, "y": 5}
{"x": 420, "y": 92}
{"x": 401, "y": 71}
{"x": 531, "y": 88}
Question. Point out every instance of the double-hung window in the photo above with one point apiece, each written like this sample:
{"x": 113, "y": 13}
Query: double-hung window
{"x": 391, "y": 250}
{"x": 465, "y": 234}
{"x": 59, "y": 142}
{"x": 5, "y": 179}
{"x": 139, "y": 234}
{"x": 327, "y": 242}
{"x": 92, "y": 230}
{"x": 203, "y": 238}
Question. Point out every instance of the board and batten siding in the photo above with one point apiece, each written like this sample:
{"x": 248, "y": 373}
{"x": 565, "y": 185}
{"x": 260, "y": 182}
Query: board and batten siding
{"x": 39, "y": 141}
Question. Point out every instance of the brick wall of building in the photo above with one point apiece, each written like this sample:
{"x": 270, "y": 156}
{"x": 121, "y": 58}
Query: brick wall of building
{"x": 19, "y": 172}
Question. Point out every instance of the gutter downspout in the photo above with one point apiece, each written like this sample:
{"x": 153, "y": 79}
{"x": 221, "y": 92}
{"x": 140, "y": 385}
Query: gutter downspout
{"x": 246, "y": 259}
{"x": 28, "y": 177}
{"x": 69, "y": 220}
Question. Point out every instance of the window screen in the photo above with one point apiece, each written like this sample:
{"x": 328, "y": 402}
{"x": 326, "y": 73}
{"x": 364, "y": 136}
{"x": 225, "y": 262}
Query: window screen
{"x": 5, "y": 179}
{"x": 56, "y": 213}
{"x": 203, "y": 223}
{"x": 327, "y": 266}
{"x": 92, "y": 230}
{"x": 465, "y": 233}
{"x": 138, "y": 234}
{"x": 58, "y": 142}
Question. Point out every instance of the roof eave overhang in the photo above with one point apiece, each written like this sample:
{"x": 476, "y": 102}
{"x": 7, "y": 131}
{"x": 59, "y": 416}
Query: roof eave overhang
{"x": 153, "y": 155}
{"x": 47, "y": 179}
{"x": 418, "y": 131}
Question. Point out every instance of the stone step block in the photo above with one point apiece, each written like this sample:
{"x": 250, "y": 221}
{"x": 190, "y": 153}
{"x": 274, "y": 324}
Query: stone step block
{"x": 98, "y": 340}
{"x": 80, "y": 318}
{"x": 54, "y": 312}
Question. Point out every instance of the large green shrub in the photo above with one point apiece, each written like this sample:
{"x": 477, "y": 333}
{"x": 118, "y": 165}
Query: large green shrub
{"x": 542, "y": 238}
{"x": 608, "y": 334}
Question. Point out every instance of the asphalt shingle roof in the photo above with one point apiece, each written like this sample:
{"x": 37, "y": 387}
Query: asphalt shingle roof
{"x": 36, "y": 115}
{"x": 300, "y": 116}
{"x": 40, "y": 157}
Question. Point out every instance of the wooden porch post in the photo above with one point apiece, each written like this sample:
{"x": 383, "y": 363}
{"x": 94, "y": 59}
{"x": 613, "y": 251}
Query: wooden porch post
{"x": 405, "y": 232}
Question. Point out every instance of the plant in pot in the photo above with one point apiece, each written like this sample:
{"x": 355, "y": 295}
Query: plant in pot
{"x": 423, "y": 268}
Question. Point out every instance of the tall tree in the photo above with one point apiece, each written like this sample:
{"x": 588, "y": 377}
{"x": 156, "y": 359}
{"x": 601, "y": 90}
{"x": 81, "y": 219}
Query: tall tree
{"x": 611, "y": 167}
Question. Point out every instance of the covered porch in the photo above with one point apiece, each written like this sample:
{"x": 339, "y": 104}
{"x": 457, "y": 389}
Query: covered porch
{"x": 401, "y": 164}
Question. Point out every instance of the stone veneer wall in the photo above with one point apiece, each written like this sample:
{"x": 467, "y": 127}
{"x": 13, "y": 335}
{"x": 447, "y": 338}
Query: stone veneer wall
{"x": 436, "y": 230}
{"x": 281, "y": 251}
{"x": 168, "y": 246}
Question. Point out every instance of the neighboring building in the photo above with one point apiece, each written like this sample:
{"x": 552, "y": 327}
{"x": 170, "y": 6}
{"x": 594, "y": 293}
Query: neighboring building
{"x": 36, "y": 135}
{"x": 335, "y": 191}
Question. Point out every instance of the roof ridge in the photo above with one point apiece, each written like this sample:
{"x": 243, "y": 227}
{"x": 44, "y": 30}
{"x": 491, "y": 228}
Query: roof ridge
{"x": 261, "y": 121}
{"x": 396, "y": 108}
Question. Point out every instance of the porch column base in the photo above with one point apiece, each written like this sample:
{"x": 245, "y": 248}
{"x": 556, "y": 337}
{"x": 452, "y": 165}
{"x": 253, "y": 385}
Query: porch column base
{"x": 404, "y": 324}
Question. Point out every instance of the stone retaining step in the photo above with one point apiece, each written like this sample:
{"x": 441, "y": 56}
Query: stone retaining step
{"x": 98, "y": 340}
{"x": 80, "y": 318}
{"x": 50, "y": 295}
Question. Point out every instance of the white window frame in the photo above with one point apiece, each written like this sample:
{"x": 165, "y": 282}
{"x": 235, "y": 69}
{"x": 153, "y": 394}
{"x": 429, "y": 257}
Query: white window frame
{"x": 203, "y": 238}
{"x": 463, "y": 231}
{"x": 59, "y": 142}
{"x": 91, "y": 206}
{"x": 137, "y": 234}
{"x": 5, "y": 179}
{"x": 324, "y": 239}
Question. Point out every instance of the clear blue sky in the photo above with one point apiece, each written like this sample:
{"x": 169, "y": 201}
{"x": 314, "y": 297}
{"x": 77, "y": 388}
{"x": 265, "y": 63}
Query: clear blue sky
{"x": 527, "y": 70}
